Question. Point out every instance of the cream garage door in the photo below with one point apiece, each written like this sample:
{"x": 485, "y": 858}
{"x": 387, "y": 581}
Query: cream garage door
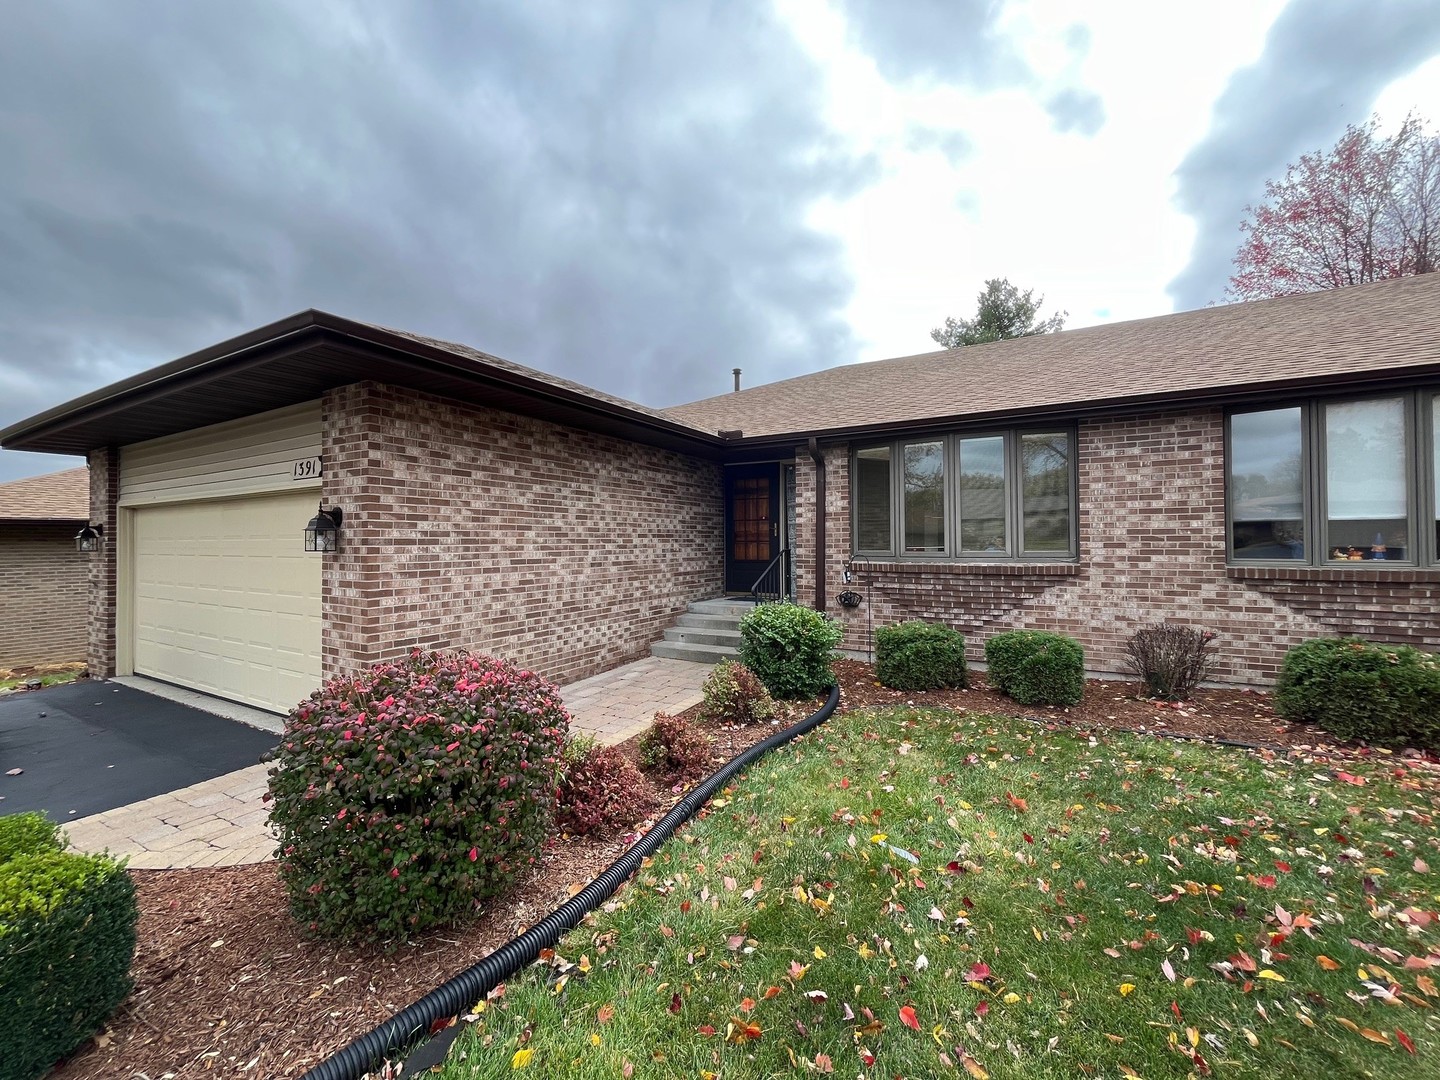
{"x": 226, "y": 599}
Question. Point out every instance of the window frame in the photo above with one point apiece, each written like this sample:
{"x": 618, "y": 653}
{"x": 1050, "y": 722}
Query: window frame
{"x": 1420, "y": 408}
{"x": 1014, "y": 497}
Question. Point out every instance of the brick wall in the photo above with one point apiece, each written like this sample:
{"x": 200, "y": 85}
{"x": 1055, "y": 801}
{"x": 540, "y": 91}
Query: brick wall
{"x": 104, "y": 494}
{"x": 44, "y": 597}
{"x": 1152, "y": 548}
{"x": 566, "y": 551}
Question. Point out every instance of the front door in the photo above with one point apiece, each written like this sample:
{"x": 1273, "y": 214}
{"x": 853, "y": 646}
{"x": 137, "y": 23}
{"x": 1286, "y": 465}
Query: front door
{"x": 752, "y": 523}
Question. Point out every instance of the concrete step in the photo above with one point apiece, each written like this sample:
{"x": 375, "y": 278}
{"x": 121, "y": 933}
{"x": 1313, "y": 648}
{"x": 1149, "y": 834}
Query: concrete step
{"x": 704, "y": 636}
{"x": 722, "y": 606}
{"x": 700, "y": 654}
{"x": 708, "y": 622}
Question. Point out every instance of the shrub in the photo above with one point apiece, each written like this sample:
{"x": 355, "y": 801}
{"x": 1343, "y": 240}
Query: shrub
{"x": 790, "y": 648}
{"x": 920, "y": 656}
{"x": 1385, "y": 695}
{"x": 602, "y": 792}
{"x": 1170, "y": 660}
{"x": 677, "y": 748}
{"x": 1036, "y": 667}
{"x": 67, "y": 937}
{"x": 410, "y": 793}
{"x": 735, "y": 695}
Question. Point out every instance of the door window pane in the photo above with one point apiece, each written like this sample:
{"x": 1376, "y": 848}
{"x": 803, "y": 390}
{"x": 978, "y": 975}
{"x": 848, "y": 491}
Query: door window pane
{"x": 924, "y": 497}
{"x": 872, "y": 499}
{"x": 1267, "y": 502}
{"x": 751, "y": 509}
{"x": 982, "y": 495}
{"x": 1367, "y": 504}
{"x": 1045, "y": 491}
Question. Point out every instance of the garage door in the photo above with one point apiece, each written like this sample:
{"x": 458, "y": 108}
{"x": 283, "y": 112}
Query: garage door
{"x": 226, "y": 600}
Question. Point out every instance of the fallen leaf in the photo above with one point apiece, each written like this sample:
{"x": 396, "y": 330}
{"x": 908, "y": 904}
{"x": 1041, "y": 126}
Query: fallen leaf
{"x": 1405, "y": 1040}
{"x": 1273, "y": 976}
{"x": 1326, "y": 963}
{"x": 521, "y": 1059}
{"x": 1126, "y": 989}
{"x": 907, "y": 1017}
{"x": 605, "y": 1013}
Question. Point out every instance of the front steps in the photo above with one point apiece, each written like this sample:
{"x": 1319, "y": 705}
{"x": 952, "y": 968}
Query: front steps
{"x": 707, "y": 633}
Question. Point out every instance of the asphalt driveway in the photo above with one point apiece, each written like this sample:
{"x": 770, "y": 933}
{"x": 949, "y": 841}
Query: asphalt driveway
{"x": 90, "y": 746}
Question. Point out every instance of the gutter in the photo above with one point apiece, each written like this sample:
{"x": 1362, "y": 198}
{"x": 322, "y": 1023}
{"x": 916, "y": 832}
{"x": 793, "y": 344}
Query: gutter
{"x": 820, "y": 515}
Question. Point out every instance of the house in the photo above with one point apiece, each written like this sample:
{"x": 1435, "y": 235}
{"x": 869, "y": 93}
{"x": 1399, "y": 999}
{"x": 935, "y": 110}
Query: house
{"x": 1267, "y": 470}
{"x": 44, "y": 581}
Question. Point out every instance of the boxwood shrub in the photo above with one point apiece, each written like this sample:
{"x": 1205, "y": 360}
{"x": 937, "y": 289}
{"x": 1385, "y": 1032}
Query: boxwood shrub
{"x": 1036, "y": 667}
{"x": 1386, "y": 695}
{"x": 407, "y": 795}
{"x": 920, "y": 656}
{"x": 67, "y": 937}
{"x": 790, "y": 648}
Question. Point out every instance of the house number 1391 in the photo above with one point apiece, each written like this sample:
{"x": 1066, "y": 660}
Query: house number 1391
{"x": 306, "y": 469}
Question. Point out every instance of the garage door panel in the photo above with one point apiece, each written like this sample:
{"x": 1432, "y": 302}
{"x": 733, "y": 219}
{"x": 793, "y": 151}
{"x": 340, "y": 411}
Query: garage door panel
{"x": 225, "y": 600}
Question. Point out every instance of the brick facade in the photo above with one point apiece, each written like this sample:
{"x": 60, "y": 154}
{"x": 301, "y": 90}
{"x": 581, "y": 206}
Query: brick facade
{"x": 563, "y": 550}
{"x": 1152, "y": 548}
{"x": 45, "y": 593}
{"x": 103, "y": 566}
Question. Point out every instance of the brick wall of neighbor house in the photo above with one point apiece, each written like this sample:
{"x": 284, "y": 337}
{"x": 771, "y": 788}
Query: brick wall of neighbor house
{"x": 563, "y": 550}
{"x": 104, "y": 494}
{"x": 1152, "y": 546}
{"x": 45, "y": 593}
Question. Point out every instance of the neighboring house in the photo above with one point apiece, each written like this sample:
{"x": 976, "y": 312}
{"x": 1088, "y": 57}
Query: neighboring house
{"x": 44, "y": 581}
{"x": 1205, "y": 467}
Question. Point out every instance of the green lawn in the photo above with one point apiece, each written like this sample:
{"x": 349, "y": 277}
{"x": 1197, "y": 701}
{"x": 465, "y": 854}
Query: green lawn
{"x": 1080, "y": 907}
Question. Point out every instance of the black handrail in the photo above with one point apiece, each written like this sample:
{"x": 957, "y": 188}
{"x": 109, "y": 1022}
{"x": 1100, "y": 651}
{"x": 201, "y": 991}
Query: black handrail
{"x": 774, "y": 582}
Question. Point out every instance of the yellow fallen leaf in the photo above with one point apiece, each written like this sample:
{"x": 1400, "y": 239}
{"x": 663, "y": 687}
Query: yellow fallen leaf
{"x": 1011, "y": 998}
{"x": 521, "y": 1058}
{"x": 879, "y": 838}
{"x": 1126, "y": 989}
{"x": 1273, "y": 976}
{"x": 1426, "y": 985}
{"x": 1251, "y": 1037}
{"x": 584, "y": 964}
{"x": 1375, "y": 1036}
{"x": 594, "y": 1039}
{"x": 819, "y": 953}
{"x": 974, "y": 1068}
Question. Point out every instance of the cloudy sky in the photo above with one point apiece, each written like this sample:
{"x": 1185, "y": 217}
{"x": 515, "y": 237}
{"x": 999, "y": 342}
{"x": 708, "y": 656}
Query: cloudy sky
{"x": 642, "y": 195}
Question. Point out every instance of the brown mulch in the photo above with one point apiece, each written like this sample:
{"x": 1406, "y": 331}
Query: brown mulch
{"x": 225, "y": 984}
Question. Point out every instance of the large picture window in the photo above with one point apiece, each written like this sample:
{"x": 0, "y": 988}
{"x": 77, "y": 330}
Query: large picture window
{"x": 989, "y": 496}
{"x": 1335, "y": 481}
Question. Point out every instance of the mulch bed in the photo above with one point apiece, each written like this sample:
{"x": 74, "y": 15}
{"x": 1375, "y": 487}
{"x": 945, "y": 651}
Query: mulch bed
{"x": 225, "y": 984}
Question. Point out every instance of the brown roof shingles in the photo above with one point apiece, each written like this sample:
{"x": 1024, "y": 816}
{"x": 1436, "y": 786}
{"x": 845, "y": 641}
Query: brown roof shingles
{"x": 1343, "y": 333}
{"x": 60, "y": 496}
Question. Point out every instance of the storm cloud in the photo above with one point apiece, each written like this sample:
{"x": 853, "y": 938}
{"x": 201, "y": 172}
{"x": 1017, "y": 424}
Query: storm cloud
{"x": 611, "y": 192}
{"x": 1324, "y": 64}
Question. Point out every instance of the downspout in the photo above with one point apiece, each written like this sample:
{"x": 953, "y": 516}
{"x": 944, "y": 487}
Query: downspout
{"x": 819, "y": 460}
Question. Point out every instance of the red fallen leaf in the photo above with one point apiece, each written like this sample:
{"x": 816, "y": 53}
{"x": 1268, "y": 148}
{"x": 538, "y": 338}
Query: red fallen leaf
{"x": 1244, "y": 961}
{"x": 675, "y": 1003}
{"x": 845, "y": 782}
{"x": 982, "y": 1008}
{"x": 953, "y": 867}
{"x": 747, "y": 1005}
{"x": 684, "y": 907}
{"x": 1195, "y": 936}
{"x": 1018, "y": 805}
{"x": 771, "y": 991}
{"x": 907, "y": 1017}
{"x": 743, "y": 1031}
{"x": 979, "y": 972}
{"x": 441, "y": 1024}
{"x": 1028, "y": 838}
{"x": 1349, "y": 778}
{"x": 1265, "y": 881}
{"x": 1282, "y": 866}
{"x": 867, "y": 1057}
{"x": 1175, "y": 1008}
{"x": 705, "y": 1029}
{"x": 1405, "y": 1040}
{"x": 969, "y": 904}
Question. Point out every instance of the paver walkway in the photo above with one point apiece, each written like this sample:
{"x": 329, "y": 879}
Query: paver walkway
{"x": 222, "y": 822}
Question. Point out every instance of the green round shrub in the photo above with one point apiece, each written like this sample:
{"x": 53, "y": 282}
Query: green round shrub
{"x": 920, "y": 656}
{"x": 1386, "y": 695}
{"x": 67, "y": 938}
{"x": 733, "y": 694}
{"x": 408, "y": 794}
{"x": 1036, "y": 667}
{"x": 29, "y": 833}
{"x": 790, "y": 648}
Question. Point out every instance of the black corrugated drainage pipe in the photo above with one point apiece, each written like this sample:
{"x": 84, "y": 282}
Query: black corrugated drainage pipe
{"x": 820, "y": 556}
{"x": 405, "y": 1029}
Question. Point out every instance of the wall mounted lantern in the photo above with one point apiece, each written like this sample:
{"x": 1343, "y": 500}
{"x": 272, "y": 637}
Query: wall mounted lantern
{"x": 323, "y": 532}
{"x": 90, "y": 538}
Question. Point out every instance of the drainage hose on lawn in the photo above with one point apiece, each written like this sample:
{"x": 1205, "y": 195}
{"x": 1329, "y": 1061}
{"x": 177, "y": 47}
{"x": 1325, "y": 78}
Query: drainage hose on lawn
{"x": 402, "y": 1031}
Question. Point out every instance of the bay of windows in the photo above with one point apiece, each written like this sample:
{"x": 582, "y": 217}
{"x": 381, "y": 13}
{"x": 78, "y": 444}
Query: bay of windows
{"x": 1336, "y": 481}
{"x": 991, "y": 496}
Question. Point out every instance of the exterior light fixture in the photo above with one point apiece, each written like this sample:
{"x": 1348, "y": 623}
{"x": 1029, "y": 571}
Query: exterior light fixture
{"x": 90, "y": 538}
{"x": 323, "y": 532}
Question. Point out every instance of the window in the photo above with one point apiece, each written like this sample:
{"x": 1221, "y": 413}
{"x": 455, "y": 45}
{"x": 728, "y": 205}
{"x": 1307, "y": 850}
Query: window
{"x": 990, "y": 496}
{"x": 1335, "y": 481}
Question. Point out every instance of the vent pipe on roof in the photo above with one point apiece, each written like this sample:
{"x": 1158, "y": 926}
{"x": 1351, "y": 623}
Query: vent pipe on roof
{"x": 736, "y": 373}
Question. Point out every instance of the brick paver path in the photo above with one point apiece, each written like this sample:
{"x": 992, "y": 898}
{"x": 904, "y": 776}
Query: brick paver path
{"x": 222, "y": 822}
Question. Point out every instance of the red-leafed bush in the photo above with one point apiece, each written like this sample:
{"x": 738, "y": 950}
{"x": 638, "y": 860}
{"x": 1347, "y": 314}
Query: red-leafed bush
{"x": 602, "y": 791}
{"x": 408, "y": 794}
{"x": 676, "y": 748}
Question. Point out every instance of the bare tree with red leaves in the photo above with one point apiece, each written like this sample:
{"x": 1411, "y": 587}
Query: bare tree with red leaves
{"x": 1366, "y": 210}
